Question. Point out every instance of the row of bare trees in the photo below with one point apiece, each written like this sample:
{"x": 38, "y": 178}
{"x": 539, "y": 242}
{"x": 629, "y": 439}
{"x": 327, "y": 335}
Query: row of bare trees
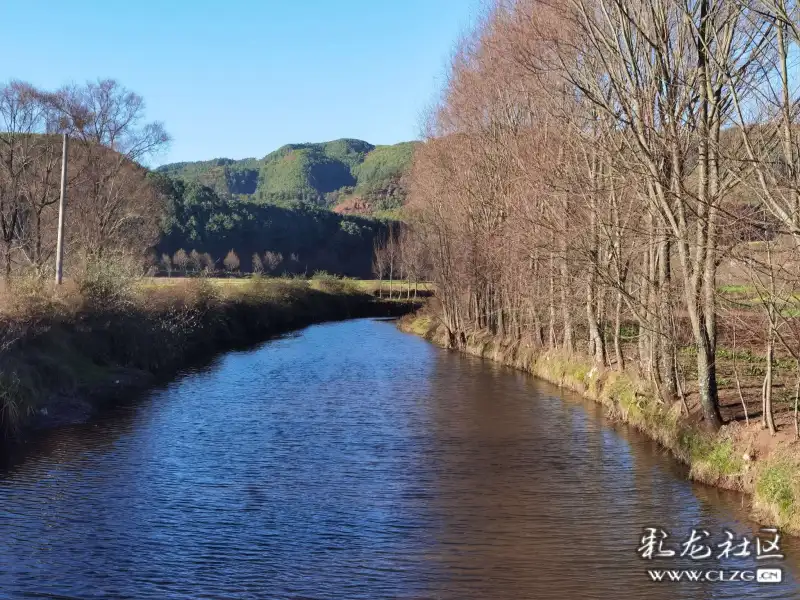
{"x": 112, "y": 208}
{"x": 194, "y": 262}
{"x": 592, "y": 166}
{"x": 399, "y": 255}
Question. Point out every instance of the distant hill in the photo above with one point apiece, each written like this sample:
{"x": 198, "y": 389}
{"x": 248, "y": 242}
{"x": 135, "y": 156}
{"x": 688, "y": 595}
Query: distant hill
{"x": 223, "y": 175}
{"x": 346, "y": 175}
{"x": 306, "y": 237}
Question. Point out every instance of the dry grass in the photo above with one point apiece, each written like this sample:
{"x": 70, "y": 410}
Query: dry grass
{"x": 225, "y": 282}
{"x": 73, "y": 340}
{"x": 320, "y": 281}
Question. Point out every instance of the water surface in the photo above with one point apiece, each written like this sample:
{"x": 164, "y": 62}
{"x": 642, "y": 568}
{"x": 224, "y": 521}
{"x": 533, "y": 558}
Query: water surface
{"x": 353, "y": 461}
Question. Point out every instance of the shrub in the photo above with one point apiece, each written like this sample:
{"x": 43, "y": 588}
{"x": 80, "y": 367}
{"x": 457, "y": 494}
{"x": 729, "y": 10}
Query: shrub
{"x": 200, "y": 293}
{"x": 27, "y": 298}
{"x": 324, "y": 276}
{"x": 272, "y": 260}
{"x": 287, "y": 288}
{"x": 334, "y": 284}
{"x": 16, "y": 401}
{"x": 257, "y": 288}
{"x": 108, "y": 283}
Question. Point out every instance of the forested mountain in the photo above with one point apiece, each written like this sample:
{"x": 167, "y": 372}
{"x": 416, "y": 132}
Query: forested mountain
{"x": 346, "y": 175}
{"x": 280, "y": 205}
{"x": 223, "y": 175}
{"x": 201, "y": 227}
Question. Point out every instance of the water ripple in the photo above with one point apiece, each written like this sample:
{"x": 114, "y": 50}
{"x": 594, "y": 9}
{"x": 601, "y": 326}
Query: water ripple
{"x": 350, "y": 461}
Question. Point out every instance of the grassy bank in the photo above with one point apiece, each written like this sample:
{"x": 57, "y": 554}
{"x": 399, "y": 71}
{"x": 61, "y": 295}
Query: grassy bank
{"x": 65, "y": 351}
{"x": 735, "y": 457}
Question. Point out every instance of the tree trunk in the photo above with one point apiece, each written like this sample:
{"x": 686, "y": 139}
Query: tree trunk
{"x": 707, "y": 381}
{"x": 566, "y": 314}
{"x": 666, "y": 345}
{"x": 552, "y": 302}
{"x": 596, "y": 342}
{"x": 767, "y": 417}
{"x": 618, "y": 333}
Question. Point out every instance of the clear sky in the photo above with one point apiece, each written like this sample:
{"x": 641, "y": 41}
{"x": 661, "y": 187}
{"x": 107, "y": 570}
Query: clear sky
{"x": 239, "y": 78}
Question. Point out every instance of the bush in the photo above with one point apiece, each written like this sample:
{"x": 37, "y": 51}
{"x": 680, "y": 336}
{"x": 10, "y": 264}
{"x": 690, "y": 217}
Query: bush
{"x": 257, "y": 288}
{"x": 285, "y": 288}
{"x": 16, "y": 401}
{"x": 200, "y": 293}
{"x": 334, "y": 284}
{"x": 324, "y": 276}
{"x": 28, "y": 298}
{"x": 109, "y": 283}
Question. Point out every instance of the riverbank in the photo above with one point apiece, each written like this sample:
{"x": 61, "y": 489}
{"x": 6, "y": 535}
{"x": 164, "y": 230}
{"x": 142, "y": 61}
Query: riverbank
{"x": 66, "y": 352}
{"x": 737, "y": 457}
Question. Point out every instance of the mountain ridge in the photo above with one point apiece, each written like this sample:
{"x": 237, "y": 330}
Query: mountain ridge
{"x": 342, "y": 173}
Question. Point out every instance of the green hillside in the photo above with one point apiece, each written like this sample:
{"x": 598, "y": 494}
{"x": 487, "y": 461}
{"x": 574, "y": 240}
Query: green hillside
{"x": 310, "y": 171}
{"x": 347, "y": 175}
{"x": 223, "y": 175}
{"x": 380, "y": 176}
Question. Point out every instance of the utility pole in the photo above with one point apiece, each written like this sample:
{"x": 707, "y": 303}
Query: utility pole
{"x": 62, "y": 199}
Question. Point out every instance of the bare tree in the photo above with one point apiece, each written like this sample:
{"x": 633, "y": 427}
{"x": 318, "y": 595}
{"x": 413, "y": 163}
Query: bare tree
{"x": 272, "y": 260}
{"x": 181, "y": 260}
{"x": 166, "y": 262}
{"x": 231, "y": 261}
{"x": 195, "y": 261}
{"x": 22, "y": 115}
{"x": 379, "y": 265}
{"x": 111, "y": 141}
{"x": 209, "y": 264}
{"x": 258, "y": 265}
{"x": 107, "y": 185}
{"x": 583, "y": 177}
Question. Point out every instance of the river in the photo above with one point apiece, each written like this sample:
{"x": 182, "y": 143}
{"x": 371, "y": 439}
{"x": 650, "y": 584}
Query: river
{"x": 348, "y": 461}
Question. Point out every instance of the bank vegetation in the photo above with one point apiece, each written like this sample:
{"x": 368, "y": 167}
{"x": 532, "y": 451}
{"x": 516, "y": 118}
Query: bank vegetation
{"x": 67, "y": 350}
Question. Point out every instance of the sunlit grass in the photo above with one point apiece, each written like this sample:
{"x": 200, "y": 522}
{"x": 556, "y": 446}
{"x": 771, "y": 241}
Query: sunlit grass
{"x": 736, "y": 289}
{"x": 365, "y": 285}
{"x": 776, "y": 492}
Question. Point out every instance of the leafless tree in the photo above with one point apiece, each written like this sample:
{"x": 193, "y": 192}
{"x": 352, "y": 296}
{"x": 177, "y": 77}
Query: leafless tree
{"x": 181, "y": 260}
{"x": 578, "y": 178}
{"x": 272, "y": 261}
{"x": 107, "y": 184}
{"x": 195, "y": 261}
{"x": 258, "y": 265}
{"x": 166, "y": 262}
{"x": 231, "y": 261}
{"x": 208, "y": 262}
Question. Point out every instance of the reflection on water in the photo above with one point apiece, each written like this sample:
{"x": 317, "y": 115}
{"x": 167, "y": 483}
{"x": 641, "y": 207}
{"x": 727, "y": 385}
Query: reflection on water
{"x": 353, "y": 461}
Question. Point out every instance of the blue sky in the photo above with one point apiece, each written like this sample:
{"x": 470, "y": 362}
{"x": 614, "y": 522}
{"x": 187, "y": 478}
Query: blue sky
{"x": 240, "y": 78}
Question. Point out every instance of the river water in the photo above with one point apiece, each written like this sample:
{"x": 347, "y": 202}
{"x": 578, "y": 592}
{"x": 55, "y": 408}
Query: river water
{"x": 350, "y": 460}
